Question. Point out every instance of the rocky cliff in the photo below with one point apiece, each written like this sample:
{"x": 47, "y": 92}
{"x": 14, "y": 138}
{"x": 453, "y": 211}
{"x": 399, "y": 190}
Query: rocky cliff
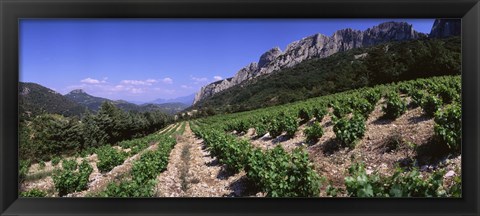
{"x": 445, "y": 28}
{"x": 315, "y": 46}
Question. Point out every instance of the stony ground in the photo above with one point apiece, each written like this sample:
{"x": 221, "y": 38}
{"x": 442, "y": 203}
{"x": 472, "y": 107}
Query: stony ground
{"x": 42, "y": 178}
{"x": 192, "y": 172}
{"x": 332, "y": 162}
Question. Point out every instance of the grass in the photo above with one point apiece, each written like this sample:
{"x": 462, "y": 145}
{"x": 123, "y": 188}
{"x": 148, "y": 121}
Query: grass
{"x": 38, "y": 175}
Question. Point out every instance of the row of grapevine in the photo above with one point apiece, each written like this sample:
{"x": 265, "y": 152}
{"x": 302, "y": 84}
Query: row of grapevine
{"x": 276, "y": 172}
{"x": 438, "y": 97}
{"x": 73, "y": 177}
{"x": 402, "y": 183}
{"x": 350, "y": 110}
{"x": 142, "y": 178}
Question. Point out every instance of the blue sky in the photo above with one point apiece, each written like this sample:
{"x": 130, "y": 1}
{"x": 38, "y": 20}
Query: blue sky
{"x": 146, "y": 59}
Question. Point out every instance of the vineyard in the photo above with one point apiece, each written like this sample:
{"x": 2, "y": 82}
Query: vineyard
{"x": 395, "y": 140}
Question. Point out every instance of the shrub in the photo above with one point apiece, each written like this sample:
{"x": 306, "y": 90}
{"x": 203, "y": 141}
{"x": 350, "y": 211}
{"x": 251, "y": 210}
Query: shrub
{"x": 256, "y": 166}
{"x": 305, "y": 115}
{"x": 401, "y": 184}
{"x": 417, "y": 98}
{"x": 69, "y": 180}
{"x": 152, "y": 163}
{"x": 281, "y": 174}
{"x": 236, "y": 154}
{"x": 348, "y": 131}
{"x": 148, "y": 167}
{"x": 412, "y": 184}
{"x": 33, "y": 193}
{"x": 395, "y": 106}
{"x": 290, "y": 125}
{"x": 55, "y": 161}
{"x": 84, "y": 171}
{"x": 340, "y": 109}
{"x": 456, "y": 189}
{"x": 276, "y": 172}
{"x": 261, "y": 129}
{"x": 144, "y": 171}
{"x": 23, "y": 169}
{"x": 319, "y": 112}
{"x": 448, "y": 126}
{"x": 69, "y": 164}
{"x": 405, "y": 88}
{"x": 314, "y": 132}
{"x": 362, "y": 106}
{"x": 275, "y": 127}
{"x": 242, "y": 126}
{"x": 431, "y": 104}
{"x": 447, "y": 94}
{"x": 372, "y": 96}
{"x": 108, "y": 158}
{"x": 302, "y": 180}
{"x": 129, "y": 189}
{"x": 41, "y": 164}
{"x": 283, "y": 123}
{"x": 359, "y": 184}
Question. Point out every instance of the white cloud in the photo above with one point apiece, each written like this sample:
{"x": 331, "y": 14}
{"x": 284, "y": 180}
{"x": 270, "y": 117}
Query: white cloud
{"x": 167, "y": 80}
{"x": 136, "y": 82}
{"x": 118, "y": 88}
{"x": 136, "y": 90}
{"x": 186, "y": 87}
{"x": 92, "y": 81}
{"x": 198, "y": 80}
{"x": 151, "y": 81}
{"x": 217, "y": 78}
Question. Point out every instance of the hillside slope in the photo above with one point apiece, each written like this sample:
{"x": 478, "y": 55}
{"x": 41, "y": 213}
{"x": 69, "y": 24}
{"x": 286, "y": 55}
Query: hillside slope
{"x": 35, "y": 99}
{"x": 390, "y": 62}
{"x": 93, "y": 103}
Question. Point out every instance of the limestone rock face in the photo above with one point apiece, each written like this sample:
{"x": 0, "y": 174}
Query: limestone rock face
{"x": 314, "y": 46}
{"x": 212, "y": 88}
{"x": 244, "y": 74}
{"x": 269, "y": 56}
{"x": 445, "y": 28}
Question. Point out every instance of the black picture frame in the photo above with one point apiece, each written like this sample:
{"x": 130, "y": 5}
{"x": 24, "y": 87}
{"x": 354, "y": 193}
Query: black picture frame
{"x": 12, "y": 10}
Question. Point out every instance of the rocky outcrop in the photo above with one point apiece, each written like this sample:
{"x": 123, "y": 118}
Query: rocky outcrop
{"x": 315, "y": 46}
{"x": 269, "y": 56}
{"x": 446, "y": 27}
{"x": 245, "y": 73}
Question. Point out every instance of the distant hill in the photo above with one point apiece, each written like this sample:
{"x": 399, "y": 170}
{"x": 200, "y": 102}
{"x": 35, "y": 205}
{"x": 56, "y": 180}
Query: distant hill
{"x": 172, "y": 108}
{"x": 81, "y": 97}
{"x": 93, "y": 103}
{"x": 187, "y": 100}
{"x": 35, "y": 99}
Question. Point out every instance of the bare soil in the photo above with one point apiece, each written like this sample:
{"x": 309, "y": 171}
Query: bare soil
{"x": 332, "y": 161}
{"x": 197, "y": 173}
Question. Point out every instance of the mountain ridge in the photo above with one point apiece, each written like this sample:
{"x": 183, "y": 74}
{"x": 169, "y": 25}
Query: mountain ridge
{"x": 356, "y": 68}
{"x": 93, "y": 103}
{"x": 187, "y": 100}
{"x": 321, "y": 46}
{"x": 35, "y": 99}
{"x": 313, "y": 46}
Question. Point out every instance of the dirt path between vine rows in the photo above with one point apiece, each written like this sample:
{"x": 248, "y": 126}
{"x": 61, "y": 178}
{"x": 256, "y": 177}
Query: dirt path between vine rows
{"x": 193, "y": 172}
